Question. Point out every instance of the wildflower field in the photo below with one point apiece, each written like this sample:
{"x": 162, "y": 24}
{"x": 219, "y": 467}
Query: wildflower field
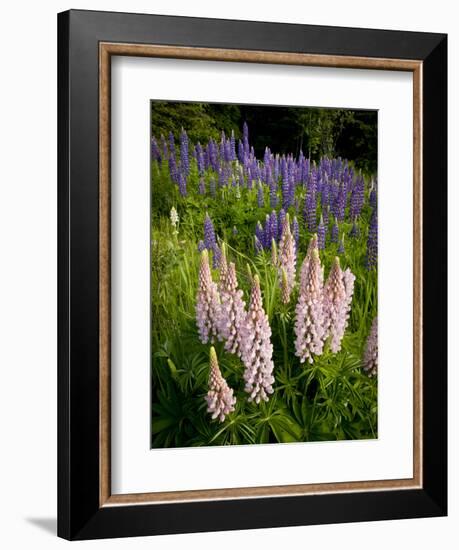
{"x": 263, "y": 276}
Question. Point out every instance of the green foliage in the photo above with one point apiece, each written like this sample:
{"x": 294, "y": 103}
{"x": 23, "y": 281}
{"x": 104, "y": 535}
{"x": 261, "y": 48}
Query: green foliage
{"x": 330, "y": 399}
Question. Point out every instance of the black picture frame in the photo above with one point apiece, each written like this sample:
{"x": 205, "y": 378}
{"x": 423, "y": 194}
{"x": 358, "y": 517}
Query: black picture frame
{"x": 80, "y": 515}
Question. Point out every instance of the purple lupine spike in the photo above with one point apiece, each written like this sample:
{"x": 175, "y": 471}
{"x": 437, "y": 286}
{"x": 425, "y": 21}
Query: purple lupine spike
{"x": 260, "y": 196}
{"x": 373, "y": 199}
{"x": 370, "y": 356}
{"x": 182, "y": 184}
{"x": 291, "y": 188}
{"x": 341, "y": 245}
{"x": 233, "y": 146}
{"x": 372, "y": 242}
{"x": 173, "y": 168}
{"x": 296, "y": 232}
{"x": 357, "y": 197}
{"x": 337, "y": 297}
{"x": 260, "y": 235}
{"x": 267, "y": 237}
{"x": 258, "y": 246}
{"x": 240, "y": 151}
{"x": 280, "y": 222}
{"x": 245, "y": 137}
{"x": 309, "y": 319}
{"x": 184, "y": 158}
{"x": 202, "y": 186}
{"x": 287, "y": 258}
{"x": 334, "y": 232}
{"x": 257, "y": 349}
{"x": 274, "y": 227}
{"x": 207, "y": 303}
{"x": 200, "y": 159}
{"x": 340, "y": 203}
{"x": 232, "y": 311}
{"x": 228, "y": 153}
{"x": 164, "y": 149}
{"x": 286, "y": 195}
{"x": 155, "y": 152}
{"x": 201, "y": 246}
{"x": 321, "y": 234}
{"x": 273, "y": 193}
{"x": 209, "y": 233}
{"x": 309, "y": 212}
{"x": 220, "y": 399}
{"x": 171, "y": 143}
{"x": 216, "y": 256}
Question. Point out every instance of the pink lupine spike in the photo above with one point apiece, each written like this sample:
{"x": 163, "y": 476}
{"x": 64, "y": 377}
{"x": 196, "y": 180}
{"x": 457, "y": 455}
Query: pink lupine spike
{"x": 232, "y": 311}
{"x": 313, "y": 245}
{"x": 309, "y": 321}
{"x": 257, "y": 349}
{"x": 207, "y": 303}
{"x": 220, "y": 399}
{"x": 370, "y": 357}
{"x": 337, "y": 299}
{"x": 287, "y": 259}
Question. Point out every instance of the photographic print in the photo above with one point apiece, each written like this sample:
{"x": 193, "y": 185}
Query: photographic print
{"x": 264, "y": 294}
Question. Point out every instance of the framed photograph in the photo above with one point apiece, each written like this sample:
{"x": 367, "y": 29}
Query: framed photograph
{"x": 252, "y": 274}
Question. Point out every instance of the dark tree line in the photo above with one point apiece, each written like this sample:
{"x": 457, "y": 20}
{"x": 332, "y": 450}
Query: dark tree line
{"x": 348, "y": 133}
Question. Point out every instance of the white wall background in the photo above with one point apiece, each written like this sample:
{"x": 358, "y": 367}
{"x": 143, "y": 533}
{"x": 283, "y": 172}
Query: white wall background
{"x": 28, "y": 270}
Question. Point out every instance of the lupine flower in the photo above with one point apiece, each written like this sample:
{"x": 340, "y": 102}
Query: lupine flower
{"x": 357, "y": 197}
{"x": 232, "y": 311}
{"x": 334, "y": 232}
{"x": 287, "y": 258}
{"x": 338, "y": 292}
{"x": 372, "y": 242}
{"x": 200, "y": 159}
{"x": 235, "y": 231}
{"x": 173, "y": 168}
{"x": 370, "y": 356}
{"x": 174, "y": 217}
{"x": 341, "y": 245}
{"x": 207, "y": 303}
{"x": 309, "y": 320}
{"x": 182, "y": 184}
{"x": 260, "y": 234}
{"x": 220, "y": 399}
{"x": 296, "y": 232}
{"x": 245, "y": 138}
{"x": 257, "y": 349}
{"x": 280, "y": 221}
{"x": 201, "y": 246}
{"x": 209, "y": 233}
{"x": 155, "y": 152}
{"x": 274, "y": 227}
{"x": 373, "y": 194}
{"x": 321, "y": 232}
{"x": 233, "y": 146}
{"x": 202, "y": 186}
{"x": 216, "y": 256}
{"x": 258, "y": 245}
{"x": 309, "y": 211}
{"x": 184, "y": 159}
